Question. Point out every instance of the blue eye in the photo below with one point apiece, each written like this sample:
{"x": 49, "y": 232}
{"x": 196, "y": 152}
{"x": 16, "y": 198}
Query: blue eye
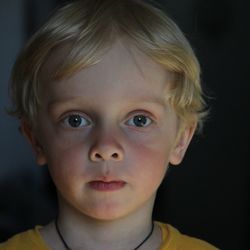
{"x": 75, "y": 121}
{"x": 139, "y": 121}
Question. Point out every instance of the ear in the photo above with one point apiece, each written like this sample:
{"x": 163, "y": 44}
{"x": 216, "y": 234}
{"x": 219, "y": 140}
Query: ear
{"x": 181, "y": 145}
{"x": 29, "y": 133}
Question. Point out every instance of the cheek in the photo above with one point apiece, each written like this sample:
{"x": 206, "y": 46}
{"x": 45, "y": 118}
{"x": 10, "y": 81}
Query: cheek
{"x": 151, "y": 154}
{"x": 149, "y": 162}
{"x": 66, "y": 167}
{"x": 154, "y": 149}
{"x": 65, "y": 159}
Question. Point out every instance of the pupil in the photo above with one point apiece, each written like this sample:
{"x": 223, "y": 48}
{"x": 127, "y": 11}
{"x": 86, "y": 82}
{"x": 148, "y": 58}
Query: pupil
{"x": 75, "y": 121}
{"x": 140, "y": 121}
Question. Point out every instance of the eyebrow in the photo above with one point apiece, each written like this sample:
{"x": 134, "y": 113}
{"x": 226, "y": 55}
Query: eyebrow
{"x": 77, "y": 100}
{"x": 154, "y": 100}
{"x": 66, "y": 100}
{"x": 60, "y": 103}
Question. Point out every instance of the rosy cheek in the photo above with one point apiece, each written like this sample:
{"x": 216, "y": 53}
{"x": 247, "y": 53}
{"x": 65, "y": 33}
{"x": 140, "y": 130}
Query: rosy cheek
{"x": 151, "y": 147}
{"x": 66, "y": 159}
{"x": 149, "y": 161}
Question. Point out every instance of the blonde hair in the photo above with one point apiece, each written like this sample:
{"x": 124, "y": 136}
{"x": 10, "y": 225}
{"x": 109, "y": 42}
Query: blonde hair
{"x": 89, "y": 28}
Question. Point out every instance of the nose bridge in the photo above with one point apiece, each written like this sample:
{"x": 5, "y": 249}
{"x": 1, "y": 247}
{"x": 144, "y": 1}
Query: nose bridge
{"x": 106, "y": 144}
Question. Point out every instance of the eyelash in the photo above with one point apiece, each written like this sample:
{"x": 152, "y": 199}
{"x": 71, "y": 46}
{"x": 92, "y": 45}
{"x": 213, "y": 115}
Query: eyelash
{"x": 82, "y": 121}
{"x": 78, "y": 117}
{"x": 141, "y": 118}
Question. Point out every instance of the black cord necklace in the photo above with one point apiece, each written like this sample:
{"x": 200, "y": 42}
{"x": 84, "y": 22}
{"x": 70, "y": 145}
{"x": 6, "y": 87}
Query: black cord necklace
{"x": 68, "y": 248}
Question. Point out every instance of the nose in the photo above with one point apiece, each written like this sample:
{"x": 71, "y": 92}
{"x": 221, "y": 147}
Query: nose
{"x": 106, "y": 149}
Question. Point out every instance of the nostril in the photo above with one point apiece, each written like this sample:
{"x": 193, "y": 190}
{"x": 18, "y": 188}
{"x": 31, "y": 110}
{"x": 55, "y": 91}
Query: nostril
{"x": 115, "y": 156}
{"x": 98, "y": 156}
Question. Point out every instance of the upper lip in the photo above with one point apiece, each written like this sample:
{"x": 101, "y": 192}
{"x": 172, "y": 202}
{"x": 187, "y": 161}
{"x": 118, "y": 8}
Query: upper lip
{"x": 107, "y": 179}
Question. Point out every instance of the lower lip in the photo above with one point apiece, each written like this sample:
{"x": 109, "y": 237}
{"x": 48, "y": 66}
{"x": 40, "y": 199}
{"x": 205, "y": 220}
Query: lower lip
{"x": 106, "y": 186}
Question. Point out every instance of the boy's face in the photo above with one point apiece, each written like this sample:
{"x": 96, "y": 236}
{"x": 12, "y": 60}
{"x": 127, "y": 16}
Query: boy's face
{"x": 108, "y": 134}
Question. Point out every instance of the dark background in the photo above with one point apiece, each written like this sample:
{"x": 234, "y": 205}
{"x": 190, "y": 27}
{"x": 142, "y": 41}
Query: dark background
{"x": 206, "y": 196}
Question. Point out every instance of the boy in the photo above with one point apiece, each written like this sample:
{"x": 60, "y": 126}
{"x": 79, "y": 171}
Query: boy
{"x": 108, "y": 94}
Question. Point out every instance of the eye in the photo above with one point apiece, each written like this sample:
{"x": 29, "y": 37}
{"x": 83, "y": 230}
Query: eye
{"x": 75, "y": 121}
{"x": 139, "y": 121}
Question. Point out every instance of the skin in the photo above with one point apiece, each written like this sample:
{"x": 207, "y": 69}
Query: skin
{"x": 108, "y": 145}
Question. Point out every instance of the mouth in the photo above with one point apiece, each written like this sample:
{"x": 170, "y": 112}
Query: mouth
{"x": 106, "y": 186}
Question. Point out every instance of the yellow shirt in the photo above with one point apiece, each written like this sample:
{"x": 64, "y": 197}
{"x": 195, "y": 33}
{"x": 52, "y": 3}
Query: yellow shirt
{"x": 172, "y": 239}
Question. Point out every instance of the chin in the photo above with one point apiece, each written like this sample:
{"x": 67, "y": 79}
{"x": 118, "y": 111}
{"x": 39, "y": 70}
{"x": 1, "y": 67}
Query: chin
{"x": 106, "y": 214}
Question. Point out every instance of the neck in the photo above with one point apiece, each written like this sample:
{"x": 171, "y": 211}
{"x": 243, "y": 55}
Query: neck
{"x": 80, "y": 231}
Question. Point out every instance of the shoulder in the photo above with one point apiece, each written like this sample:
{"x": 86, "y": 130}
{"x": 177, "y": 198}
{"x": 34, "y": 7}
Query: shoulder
{"x": 30, "y": 239}
{"x": 172, "y": 239}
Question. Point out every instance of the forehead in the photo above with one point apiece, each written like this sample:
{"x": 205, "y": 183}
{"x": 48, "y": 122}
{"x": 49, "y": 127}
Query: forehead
{"x": 123, "y": 66}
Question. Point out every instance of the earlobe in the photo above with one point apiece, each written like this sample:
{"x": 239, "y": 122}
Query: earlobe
{"x": 29, "y": 133}
{"x": 181, "y": 145}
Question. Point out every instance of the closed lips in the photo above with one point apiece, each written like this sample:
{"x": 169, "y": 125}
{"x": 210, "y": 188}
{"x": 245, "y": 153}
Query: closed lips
{"x": 107, "y": 186}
